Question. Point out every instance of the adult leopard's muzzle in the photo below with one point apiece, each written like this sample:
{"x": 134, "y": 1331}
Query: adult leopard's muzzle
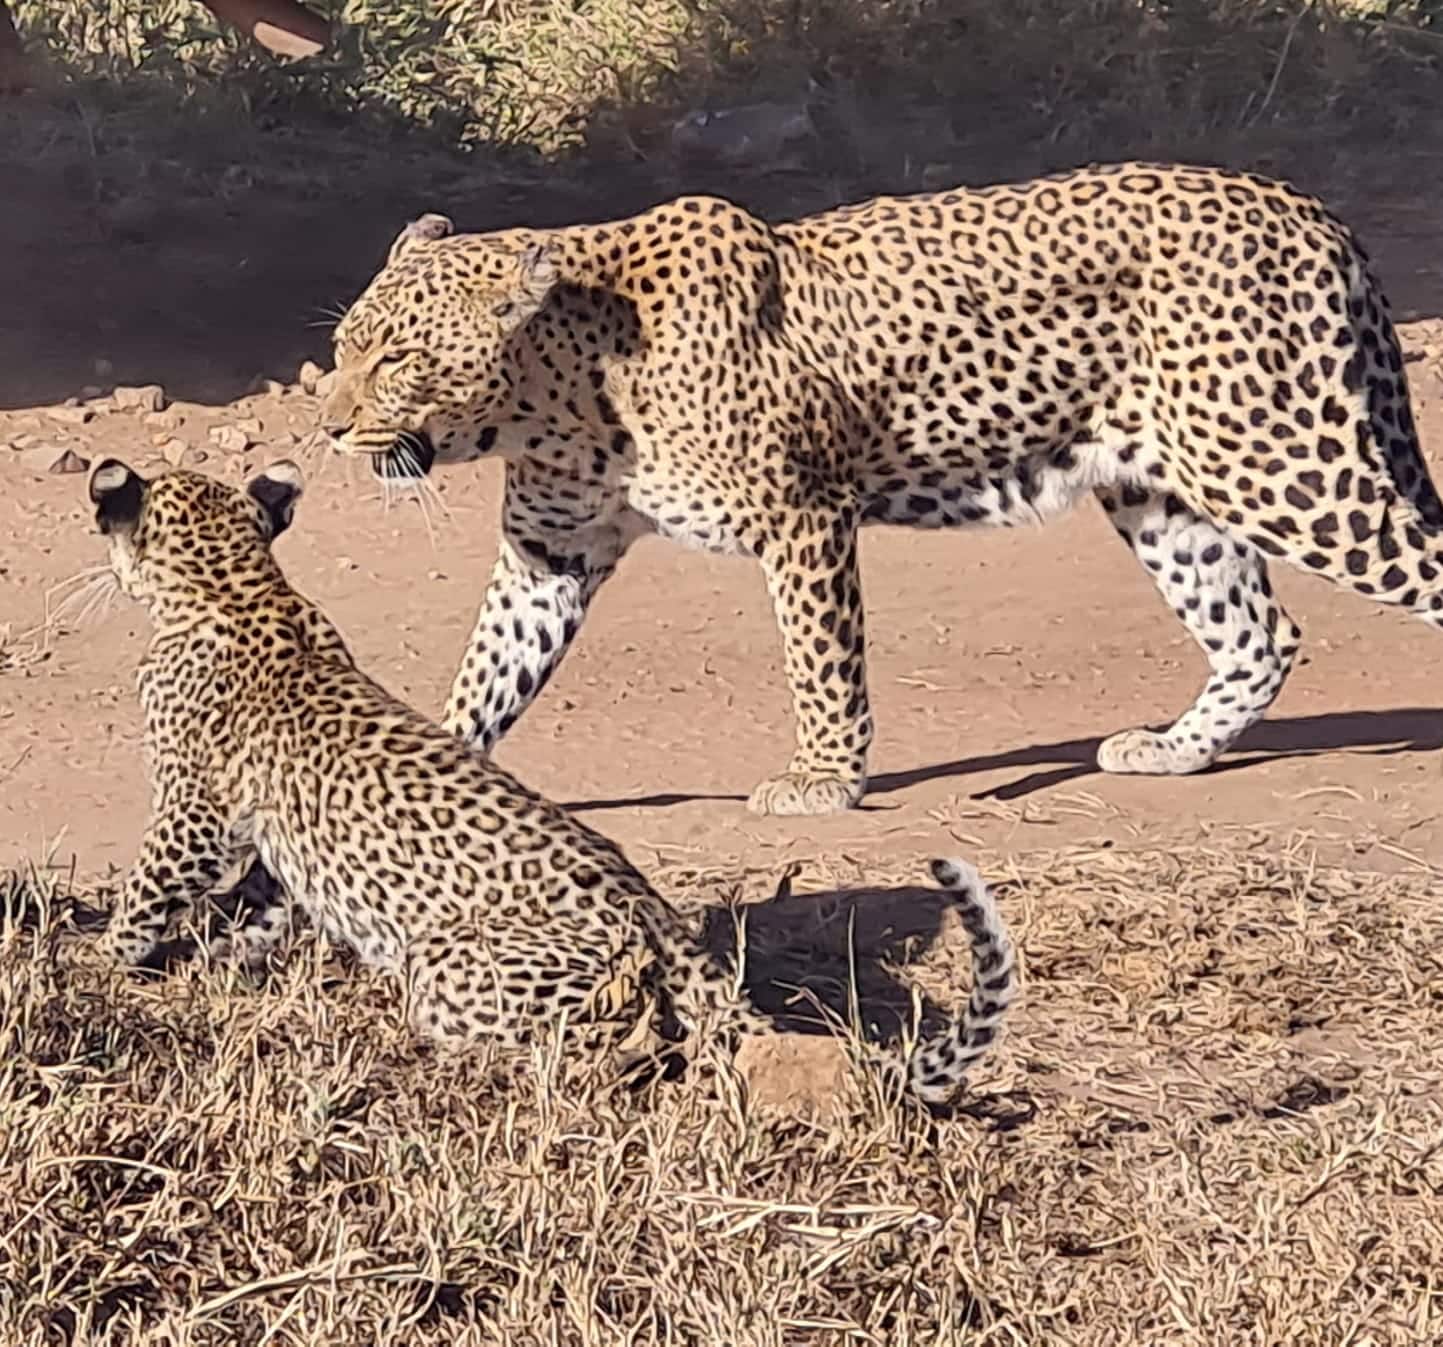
{"x": 407, "y": 460}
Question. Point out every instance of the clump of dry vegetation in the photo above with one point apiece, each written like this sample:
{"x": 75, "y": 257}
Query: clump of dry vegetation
{"x": 539, "y": 73}
{"x": 1217, "y": 1118}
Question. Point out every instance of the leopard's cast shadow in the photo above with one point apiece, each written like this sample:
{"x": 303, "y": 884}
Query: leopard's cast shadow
{"x": 816, "y": 962}
{"x": 1378, "y": 733}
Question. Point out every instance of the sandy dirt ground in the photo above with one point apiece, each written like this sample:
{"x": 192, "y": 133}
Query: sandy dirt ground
{"x": 997, "y": 659}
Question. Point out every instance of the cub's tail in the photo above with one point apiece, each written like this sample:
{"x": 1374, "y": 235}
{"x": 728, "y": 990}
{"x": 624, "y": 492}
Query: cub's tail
{"x": 938, "y": 1066}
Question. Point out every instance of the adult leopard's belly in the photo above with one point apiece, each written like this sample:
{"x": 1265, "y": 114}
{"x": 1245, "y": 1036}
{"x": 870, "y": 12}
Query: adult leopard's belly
{"x": 1029, "y": 489}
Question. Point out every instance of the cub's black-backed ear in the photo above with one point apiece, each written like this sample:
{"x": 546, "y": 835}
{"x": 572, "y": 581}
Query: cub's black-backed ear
{"x": 117, "y": 494}
{"x": 277, "y": 489}
{"x": 427, "y": 229}
{"x": 528, "y": 285}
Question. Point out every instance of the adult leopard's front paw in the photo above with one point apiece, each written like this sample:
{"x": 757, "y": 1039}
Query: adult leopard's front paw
{"x": 1147, "y": 753}
{"x": 794, "y": 794}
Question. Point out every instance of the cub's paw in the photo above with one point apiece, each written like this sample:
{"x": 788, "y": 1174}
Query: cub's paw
{"x": 1147, "y": 753}
{"x": 123, "y": 946}
{"x": 794, "y": 794}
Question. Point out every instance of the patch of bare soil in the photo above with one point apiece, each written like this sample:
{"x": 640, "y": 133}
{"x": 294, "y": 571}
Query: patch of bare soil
{"x": 997, "y": 660}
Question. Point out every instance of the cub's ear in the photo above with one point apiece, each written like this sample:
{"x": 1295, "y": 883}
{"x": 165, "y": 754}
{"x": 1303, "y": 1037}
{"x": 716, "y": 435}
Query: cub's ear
{"x": 525, "y": 290}
{"x": 277, "y": 490}
{"x": 117, "y": 494}
{"x": 427, "y": 229}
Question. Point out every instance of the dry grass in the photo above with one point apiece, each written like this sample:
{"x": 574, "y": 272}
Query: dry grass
{"x": 1218, "y": 1118}
{"x": 538, "y": 73}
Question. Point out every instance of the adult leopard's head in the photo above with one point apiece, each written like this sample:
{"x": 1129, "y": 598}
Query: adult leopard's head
{"x": 424, "y": 370}
{"x": 183, "y": 536}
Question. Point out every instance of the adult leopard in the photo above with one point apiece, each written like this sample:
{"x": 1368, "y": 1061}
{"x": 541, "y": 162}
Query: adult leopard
{"x": 1205, "y": 351}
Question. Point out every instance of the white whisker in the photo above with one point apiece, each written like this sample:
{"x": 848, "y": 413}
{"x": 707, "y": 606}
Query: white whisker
{"x": 89, "y": 573}
{"x": 421, "y": 482}
{"x": 317, "y": 446}
{"x": 89, "y": 602}
{"x": 415, "y": 485}
{"x": 329, "y": 315}
{"x": 96, "y": 607}
{"x": 72, "y": 592}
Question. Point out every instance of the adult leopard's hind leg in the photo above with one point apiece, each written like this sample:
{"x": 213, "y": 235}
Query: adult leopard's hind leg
{"x": 1218, "y": 585}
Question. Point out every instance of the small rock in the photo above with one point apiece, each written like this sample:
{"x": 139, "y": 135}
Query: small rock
{"x": 171, "y": 449}
{"x": 92, "y": 391}
{"x": 144, "y": 398}
{"x": 265, "y": 386}
{"x": 231, "y": 439}
{"x": 797, "y": 1077}
{"x": 166, "y": 419}
{"x": 774, "y": 134}
{"x": 71, "y": 416}
{"x": 251, "y": 425}
{"x": 309, "y": 375}
{"x": 70, "y": 461}
{"x": 48, "y": 457}
{"x": 325, "y": 383}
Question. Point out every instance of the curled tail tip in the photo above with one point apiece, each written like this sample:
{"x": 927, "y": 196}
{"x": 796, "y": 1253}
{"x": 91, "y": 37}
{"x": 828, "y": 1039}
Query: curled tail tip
{"x": 956, "y": 873}
{"x": 969, "y": 891}
{"x": 940, "y": 1066}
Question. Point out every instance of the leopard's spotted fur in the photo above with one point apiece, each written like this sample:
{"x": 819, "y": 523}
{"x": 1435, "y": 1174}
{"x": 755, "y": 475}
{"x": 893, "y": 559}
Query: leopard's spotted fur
{"x": 1206, "y": 352}
{"x": 496, "y": 906}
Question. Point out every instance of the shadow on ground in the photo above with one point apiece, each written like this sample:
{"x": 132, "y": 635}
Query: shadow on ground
{"x": 205, "y": 257}
{"x": 1378, "y": 733}
{"x": 816, "y": 961}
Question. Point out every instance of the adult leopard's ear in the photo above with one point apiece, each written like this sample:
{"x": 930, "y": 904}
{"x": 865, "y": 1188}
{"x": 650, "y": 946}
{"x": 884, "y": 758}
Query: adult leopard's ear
{"x": 117, "y": 492}
{"x": 525, "y": 289}
{"x": 427, "y": 229}
{"x": 277, "y": 490}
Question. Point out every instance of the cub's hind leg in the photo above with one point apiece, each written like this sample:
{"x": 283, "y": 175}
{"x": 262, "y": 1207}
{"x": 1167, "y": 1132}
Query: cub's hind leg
{"x": 1219, "y": 587}
{"x": 507, "y": 982}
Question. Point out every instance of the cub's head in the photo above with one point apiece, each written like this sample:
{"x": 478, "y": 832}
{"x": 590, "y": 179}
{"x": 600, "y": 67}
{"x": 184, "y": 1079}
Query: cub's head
{"x": 183, "y": 534}
{"x": 423, "y": 363}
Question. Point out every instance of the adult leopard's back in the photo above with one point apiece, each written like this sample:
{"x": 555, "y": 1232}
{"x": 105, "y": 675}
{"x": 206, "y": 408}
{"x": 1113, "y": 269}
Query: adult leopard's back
{"x": 1207, "y": 352}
